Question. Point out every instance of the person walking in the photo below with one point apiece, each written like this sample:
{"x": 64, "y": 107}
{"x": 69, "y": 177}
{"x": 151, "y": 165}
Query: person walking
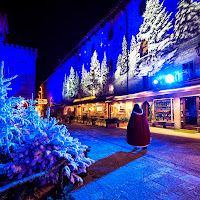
{"x": 138, "y": 132}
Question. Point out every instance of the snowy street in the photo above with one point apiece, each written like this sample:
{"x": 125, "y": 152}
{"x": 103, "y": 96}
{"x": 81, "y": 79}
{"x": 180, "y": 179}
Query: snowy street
{"x": 168, "y": 169}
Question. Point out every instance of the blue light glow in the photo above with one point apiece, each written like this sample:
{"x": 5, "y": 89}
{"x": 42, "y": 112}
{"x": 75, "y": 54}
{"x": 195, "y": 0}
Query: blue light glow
{"x": 169, "y": 78}
{"x": 155, "y": 82}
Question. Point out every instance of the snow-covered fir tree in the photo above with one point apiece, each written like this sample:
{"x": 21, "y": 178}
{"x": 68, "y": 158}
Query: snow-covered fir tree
{"x": 104, "y": 70}
{"x": 33, "y": 144}
{"x": 119, "y": 64}
{"x": 95, "y": 74}
{"x": 70, "y": 85}
{"x": 65, "y": 88}
{"x": 154, "y": 38}
{"x": 133, "y": 56}
{"x": 77, "y": 83}
{"x": 72, "y": 90}
{"x": 187, "y": 20}
{"x": 124, "y": 59}
{"x": 9, "y": 131}
{"x": 85, "y": 81}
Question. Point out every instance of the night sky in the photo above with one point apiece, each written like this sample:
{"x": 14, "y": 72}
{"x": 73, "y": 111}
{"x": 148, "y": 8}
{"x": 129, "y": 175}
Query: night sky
{"x": 52, "y": 27}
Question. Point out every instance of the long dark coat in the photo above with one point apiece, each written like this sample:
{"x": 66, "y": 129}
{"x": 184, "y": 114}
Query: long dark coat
{"x": 138, "y": 133}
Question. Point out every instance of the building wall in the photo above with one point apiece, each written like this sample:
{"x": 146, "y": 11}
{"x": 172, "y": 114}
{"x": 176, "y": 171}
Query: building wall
{"x": 20, "y": 61}
{"x": 178, "y": 60}
{"x": 125, "y": 22}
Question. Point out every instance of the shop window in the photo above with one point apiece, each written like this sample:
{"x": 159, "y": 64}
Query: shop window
{"x": 85, "y": 110}
{"x": 188, "y": 71}
{"x": 143, "y": 48}
{"x": 142, "y": 6}
{"x": 110, "y": 34}
{"x": 99, "y": 109}
{"x": 110, "y": 65}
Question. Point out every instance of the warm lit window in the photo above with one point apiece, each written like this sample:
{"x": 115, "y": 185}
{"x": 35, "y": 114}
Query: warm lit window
{"x": 111, "y": 89}
{"x": 143, "y": 48}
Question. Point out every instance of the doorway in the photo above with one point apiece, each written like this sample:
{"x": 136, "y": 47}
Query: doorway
{"x": 190, "y": 111}
{"x": 146, "y": 110}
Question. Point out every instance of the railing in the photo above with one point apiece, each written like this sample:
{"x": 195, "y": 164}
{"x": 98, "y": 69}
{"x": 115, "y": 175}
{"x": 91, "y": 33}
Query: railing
{"x": 23, "y": 181}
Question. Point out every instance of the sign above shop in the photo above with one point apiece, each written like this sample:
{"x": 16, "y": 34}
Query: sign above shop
{"x": 85, "y": 98}
{"x": 42, "y": 101}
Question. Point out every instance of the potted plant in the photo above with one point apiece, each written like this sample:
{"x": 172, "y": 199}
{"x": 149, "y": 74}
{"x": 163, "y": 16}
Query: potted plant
{"x": 111, "y": 123}
{"x": 123, "y": 122}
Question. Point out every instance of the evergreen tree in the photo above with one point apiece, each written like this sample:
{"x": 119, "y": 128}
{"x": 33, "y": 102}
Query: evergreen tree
{"x": 104, "y": 70}
{"x": 65, "y": 88}
{"x": 72, "y": 83}
{"x": 133, "y": 56}
{"x": 9, "y": 131}
{"x": 77, "y": 83}
{"x": 85, "y": 81}
{"x": 34, "y": 144}
{"x": 154, "y": 31}
{"x": 95, "y": 84}
{"x": 187, "y": 20}
{"x": 119, "y": 64}
{"x": 124, "y": 59}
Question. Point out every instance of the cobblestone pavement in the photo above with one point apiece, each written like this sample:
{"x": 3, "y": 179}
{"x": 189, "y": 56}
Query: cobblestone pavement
{"x": 168, "y": 169}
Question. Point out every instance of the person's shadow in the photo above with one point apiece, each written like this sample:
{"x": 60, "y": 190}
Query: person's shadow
{"x": 109, "y": 164}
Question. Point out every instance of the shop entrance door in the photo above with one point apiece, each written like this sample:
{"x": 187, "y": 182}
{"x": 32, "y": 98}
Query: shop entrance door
{"x": 190, "y": 111}
{"x": 146, "y": 109}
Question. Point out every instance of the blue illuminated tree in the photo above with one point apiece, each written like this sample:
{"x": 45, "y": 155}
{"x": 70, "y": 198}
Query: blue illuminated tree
{"x": 32, "y": 144}
{"x": 9, "y": 130}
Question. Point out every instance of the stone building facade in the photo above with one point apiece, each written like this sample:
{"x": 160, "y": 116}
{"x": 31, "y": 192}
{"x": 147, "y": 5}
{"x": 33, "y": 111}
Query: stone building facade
{"x": 151, "y": 53}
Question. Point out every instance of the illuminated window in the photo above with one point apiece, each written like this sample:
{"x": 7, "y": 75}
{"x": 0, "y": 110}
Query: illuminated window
{"x": 111, "y": 89}
{"x": 143, "y": 48}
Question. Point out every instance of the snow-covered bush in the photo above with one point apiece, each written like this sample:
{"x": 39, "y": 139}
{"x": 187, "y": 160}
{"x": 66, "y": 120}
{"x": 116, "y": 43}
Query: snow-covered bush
{"x": 34, "y": 144}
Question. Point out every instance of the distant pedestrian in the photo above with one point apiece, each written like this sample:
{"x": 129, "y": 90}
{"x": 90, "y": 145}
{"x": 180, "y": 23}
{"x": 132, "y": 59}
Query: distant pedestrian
{"x": 138, "y": 133}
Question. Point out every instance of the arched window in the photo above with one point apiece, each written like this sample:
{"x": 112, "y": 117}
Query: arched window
{"x": 110, "y": 65}
{"x": 142, "y": 6}
{"x": 143, "y": 48}
{"x": 110, "y": 34}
